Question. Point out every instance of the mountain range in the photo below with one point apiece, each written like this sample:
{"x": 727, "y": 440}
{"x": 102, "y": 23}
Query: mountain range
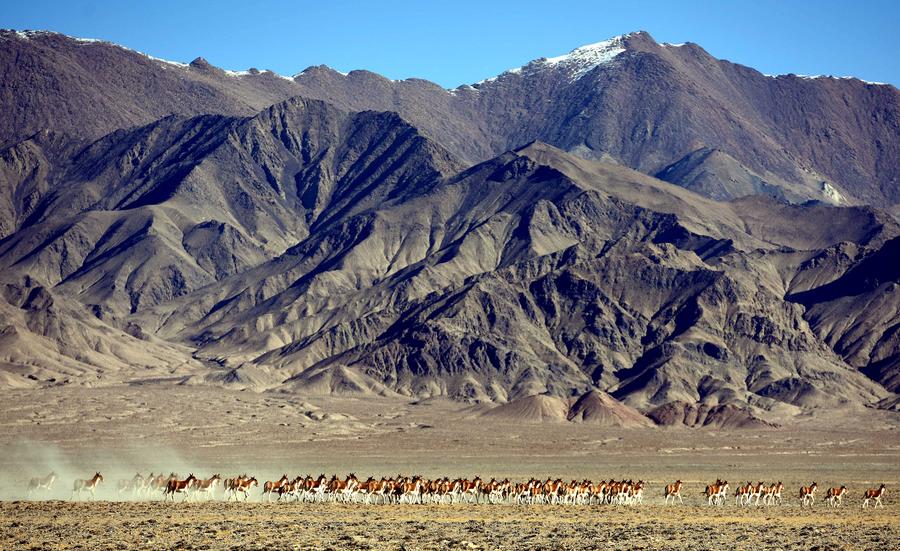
{"x": 632, "y": 225}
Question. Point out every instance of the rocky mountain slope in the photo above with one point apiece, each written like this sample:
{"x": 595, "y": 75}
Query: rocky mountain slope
{"x": 146, "y": 215}
{"x": 553, "y": 275}
{"x": 655, "y": 258}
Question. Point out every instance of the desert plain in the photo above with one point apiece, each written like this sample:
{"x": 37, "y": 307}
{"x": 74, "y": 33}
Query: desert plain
{"x": 121, "y": 430}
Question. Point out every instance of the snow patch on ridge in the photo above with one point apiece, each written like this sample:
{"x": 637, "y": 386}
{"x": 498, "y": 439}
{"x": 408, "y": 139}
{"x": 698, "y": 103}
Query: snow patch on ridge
{"x": 832, "y": 194}
{"x": 159, "y": 59}
{"x": 468, "y": 88}
{"x": 815, "y": 77}
{"x": 832, "y": 77}
{"x": 312, "y": 67}
{"x": 28, "y": 35}
{"x": 285, "y": 77}
{"x": 238, "y": 74}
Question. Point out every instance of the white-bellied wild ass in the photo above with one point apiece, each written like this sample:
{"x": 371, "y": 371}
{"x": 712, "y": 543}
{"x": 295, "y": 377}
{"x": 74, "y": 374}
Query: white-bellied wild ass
{"x": 207, "y": 486}
{"x": 240, "y": 484}
{"x": 144, "y": 488}
{"x": 45, "y": 483}
{"x": 873, "y": 494}
{"x": 716, "y": 493}
{"x": 132, "y": 485}
{"x": 772, "y": 494}
{"x": 742, "y": 493}
{"x": 176, "y": 486}
{"x": 808, "y": 494}
{"x": 673, "y": 491}
{"x": 835, "y": 496}
{"x": 89, "y": 485}
{"x": 272, "y": 487}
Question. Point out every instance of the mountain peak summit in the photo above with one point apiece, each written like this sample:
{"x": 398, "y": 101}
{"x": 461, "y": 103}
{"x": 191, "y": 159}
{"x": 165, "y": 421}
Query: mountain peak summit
{"x": 583, "y": 59}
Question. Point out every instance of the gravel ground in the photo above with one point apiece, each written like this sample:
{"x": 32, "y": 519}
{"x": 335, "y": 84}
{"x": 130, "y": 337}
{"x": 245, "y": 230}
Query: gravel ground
{"x": 217, "y": 525}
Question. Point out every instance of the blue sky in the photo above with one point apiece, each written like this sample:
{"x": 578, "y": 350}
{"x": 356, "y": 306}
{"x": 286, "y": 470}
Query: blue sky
{"x": 454, "y": 42}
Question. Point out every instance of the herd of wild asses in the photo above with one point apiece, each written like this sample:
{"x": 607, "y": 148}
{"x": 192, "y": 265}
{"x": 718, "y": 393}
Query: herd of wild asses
{"x": 420, "y": 490}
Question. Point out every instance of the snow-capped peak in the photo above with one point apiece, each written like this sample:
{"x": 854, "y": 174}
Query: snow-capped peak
{"x": 583, "y": 59}
{"x": 576, "y": 63}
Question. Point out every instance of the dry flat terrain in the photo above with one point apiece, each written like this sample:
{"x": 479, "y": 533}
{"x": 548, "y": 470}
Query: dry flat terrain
{"x": 56, "y": 525}
{"x": 120, "y": 430}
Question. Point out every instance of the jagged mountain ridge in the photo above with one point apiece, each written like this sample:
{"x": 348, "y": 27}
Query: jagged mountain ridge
{"x": 477, "y": 341}
{"x": 652, "y": 107}
{"x": 381, "y": 302}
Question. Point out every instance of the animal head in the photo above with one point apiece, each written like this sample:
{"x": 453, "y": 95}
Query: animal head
{"x": 99, "y": 477}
